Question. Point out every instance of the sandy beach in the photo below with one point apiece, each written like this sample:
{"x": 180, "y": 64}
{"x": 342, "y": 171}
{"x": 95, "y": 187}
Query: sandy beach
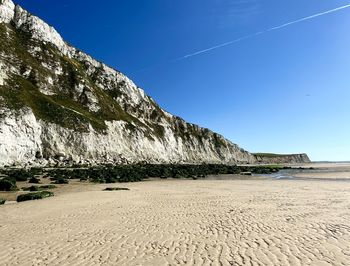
{"x": 183, "y": 222}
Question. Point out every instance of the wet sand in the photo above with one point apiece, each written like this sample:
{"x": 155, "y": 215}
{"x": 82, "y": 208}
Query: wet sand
{"x": 185, "y": 222}
{"x": 330, "y": 171}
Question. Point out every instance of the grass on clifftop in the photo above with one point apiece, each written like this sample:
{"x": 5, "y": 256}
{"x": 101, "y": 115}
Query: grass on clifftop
{"x": 271, "y": 155}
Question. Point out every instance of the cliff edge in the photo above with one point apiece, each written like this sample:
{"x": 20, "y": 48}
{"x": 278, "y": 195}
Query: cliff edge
{"x": 58, "y": 105}
{"x": 270, "y": 158}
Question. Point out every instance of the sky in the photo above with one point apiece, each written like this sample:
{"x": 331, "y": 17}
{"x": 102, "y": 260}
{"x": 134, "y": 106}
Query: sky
{"x": 283, "y": 91}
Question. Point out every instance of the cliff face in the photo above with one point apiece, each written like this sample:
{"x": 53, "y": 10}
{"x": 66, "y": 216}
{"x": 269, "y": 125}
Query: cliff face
{"x": 269, "y": 158}
{"x": 57, "y": 104}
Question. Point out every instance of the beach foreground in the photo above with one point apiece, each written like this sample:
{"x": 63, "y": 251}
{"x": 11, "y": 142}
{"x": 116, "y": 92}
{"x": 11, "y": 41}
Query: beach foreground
{"x": 186, "y": 222}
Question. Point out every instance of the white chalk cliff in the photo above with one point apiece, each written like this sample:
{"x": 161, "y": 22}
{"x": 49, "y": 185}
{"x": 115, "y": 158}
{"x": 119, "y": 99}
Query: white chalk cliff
{"x": 60, "y": 106}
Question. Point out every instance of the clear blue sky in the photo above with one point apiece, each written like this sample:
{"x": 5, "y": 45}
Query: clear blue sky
{"x": 285, "y": 91}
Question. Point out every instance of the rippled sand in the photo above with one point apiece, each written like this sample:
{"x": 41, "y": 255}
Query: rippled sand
{"x": 186, "y": 222}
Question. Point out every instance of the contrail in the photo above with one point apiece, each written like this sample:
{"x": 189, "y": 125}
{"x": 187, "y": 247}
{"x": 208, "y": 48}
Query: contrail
{"x": 262, "y": 32}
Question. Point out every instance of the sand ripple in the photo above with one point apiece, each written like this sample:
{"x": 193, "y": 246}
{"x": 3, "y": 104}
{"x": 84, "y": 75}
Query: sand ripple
{"x": 184, "y": 223}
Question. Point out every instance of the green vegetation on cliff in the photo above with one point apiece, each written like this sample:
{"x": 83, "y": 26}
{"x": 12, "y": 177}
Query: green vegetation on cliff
{"x": 271, "y": 155}
{"x": 60, "y": 108}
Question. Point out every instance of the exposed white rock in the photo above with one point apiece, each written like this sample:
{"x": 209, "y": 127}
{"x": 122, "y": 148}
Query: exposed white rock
{"x": 3, "y": 75}
{"x": 34, "y": 50}
{"x": 38, "y": 28}
{"x": 20, "y": 138}
{"x": 27, "y": 72}
{"x": 25, "y": 139}
{"x": 92, "y": 101}
{"x": 41, "y": 31}
{"x": 119, "y": 144}
{"x": 49, "y": 80}
{"x": 7, "y": 11}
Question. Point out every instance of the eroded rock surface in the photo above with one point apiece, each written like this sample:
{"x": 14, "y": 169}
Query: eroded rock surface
{"x": 59, "y": 105}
